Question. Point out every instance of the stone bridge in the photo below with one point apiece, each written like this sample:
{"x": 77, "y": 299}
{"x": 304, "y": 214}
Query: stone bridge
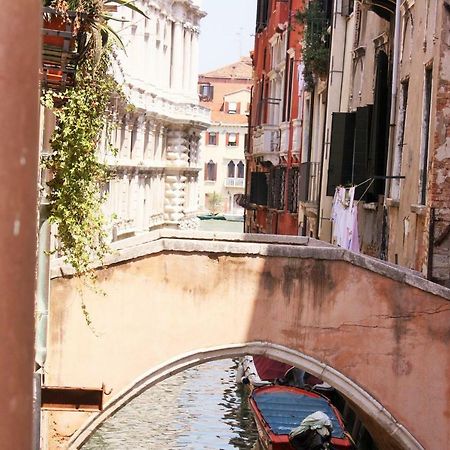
{"x": 170, "y": 300}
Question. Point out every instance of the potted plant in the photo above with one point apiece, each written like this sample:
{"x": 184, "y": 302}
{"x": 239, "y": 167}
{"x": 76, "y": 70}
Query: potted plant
{"x": 70, "y": 29}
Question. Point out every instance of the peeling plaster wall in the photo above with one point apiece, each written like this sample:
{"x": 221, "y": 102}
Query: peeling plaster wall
{"x": 425, "y": 43}
{"x": 439, "y": 189}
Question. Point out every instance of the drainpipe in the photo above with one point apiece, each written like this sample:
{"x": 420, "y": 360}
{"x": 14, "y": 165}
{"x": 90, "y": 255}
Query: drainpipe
{"x": 20, "y": 44}
{"x": 286, "y": 89}
{"x": 392, "y": 123}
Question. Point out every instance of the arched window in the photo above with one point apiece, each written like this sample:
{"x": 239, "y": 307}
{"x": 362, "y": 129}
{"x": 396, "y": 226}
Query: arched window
{"x": 231, "y": 169}
{"x": 240, "y": 169}
{"x": 211, "y": 171}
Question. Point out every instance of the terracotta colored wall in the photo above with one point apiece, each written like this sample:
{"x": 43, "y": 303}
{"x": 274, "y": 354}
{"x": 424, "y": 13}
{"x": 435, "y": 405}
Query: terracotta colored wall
{"x": 387, "y": 336}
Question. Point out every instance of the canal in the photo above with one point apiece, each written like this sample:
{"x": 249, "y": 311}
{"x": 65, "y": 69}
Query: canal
{"x": 200, "y": 408}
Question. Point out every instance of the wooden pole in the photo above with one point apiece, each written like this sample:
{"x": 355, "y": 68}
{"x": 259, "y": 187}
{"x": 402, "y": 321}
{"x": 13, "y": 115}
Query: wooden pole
{"x": 20, "y": 47}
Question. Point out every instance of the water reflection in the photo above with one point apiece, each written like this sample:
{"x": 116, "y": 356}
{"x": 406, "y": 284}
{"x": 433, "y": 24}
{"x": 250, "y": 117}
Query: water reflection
{"x": 201, "y": 408}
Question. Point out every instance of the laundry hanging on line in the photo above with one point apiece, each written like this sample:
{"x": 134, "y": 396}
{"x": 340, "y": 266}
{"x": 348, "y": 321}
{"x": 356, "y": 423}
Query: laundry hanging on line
{"x": 344, "y": 215}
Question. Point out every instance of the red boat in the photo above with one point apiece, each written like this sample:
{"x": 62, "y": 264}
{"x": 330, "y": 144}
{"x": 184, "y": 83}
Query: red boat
{"x": 280, "y": 409}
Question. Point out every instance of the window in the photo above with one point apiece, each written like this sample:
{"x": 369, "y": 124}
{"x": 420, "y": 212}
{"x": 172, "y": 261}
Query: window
{"x": 212, "y": 138}
{"x": 240, "y": 169}
{"x": 211, "y": 171}
{"x": 232, "y": 139}
{"x": 232, "y": 108}
{"x": 426, "y": 108}
{"x": 231, "y": 169}
{"x": 206, "y": 92}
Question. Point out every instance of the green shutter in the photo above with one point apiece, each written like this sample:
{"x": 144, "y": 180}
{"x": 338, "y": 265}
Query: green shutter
{"x": 341, "y": 151}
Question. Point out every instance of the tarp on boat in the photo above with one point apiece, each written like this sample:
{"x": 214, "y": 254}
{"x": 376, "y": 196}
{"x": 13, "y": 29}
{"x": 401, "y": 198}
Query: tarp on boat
{"x": 269, "y": 369}
{"x": 284, "y": 409}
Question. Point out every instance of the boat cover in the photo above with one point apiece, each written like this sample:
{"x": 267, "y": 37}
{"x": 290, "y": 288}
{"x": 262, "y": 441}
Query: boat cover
{"x": 285, "y": 410}
{"x": 269, "y": 369}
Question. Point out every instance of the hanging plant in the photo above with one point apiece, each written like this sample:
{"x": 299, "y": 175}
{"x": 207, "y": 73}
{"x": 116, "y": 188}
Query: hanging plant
{"x": 315, "y": 46}
{"x": 82, "y": 112}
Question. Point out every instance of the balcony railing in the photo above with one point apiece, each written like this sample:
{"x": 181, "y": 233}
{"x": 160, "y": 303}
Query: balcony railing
{"x": 234, "y": 182}
{"x": 309, "y": 182}
{"x": 266, "y": 142}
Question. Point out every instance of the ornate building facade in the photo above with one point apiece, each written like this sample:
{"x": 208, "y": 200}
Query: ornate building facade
{"x": 156, "y": 162}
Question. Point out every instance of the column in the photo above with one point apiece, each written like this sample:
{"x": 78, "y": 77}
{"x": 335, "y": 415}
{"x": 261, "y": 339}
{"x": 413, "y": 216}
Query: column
{"x": 125, "y": 144}
{"x": 187, "y": 61}
{"x": 19, "y": 134}
{"x": 175, "y": 181}
{"x": 138, "y": 148}
{"x": 168, "y": 58}
{"x": 194, "y": 64}
{"x": 177, "y": 56}
{"x": 177, "y": 149}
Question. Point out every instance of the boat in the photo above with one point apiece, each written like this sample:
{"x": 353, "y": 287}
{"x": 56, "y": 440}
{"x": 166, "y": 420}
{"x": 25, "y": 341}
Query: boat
{"x": 280, "y": 409}
{"x": 234, "y": 217}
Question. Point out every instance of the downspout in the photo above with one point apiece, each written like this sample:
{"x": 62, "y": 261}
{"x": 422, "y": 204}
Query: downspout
{"x": 319, "y": 202}
{"x": 392, "y": 125}
{"x": 42, "y": 284}
{"x": 285, "y": 106}
{"x": 247, "y": 159}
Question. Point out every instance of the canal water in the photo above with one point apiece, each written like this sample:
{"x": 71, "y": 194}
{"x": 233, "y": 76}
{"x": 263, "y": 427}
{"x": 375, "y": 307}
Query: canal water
{"x": 200, "y": 408}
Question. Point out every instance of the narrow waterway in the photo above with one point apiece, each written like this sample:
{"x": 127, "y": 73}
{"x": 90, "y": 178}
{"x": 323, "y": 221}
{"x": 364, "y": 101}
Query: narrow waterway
{"x": 201, "y": 408}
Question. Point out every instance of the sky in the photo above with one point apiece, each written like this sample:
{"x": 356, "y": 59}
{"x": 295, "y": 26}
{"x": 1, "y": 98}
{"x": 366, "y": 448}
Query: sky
{"x": 226, "y": 33}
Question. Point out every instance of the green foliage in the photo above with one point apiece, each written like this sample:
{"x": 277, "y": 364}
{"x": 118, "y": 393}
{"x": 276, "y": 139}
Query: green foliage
{"x": 82, "y": 114}
{"x": 75, "y": 199}
{"x": 315, "y": 48}
{"x": 215, "y": 202}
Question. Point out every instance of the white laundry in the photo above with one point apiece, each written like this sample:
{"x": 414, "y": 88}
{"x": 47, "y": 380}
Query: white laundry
{"x": 344, "y": 215}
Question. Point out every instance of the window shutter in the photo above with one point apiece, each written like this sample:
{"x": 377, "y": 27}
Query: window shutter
{"x": 214, "y": 177}
{"x": 225, "y": 107}
{"x": 237, "y": 139}
{"x": 341, "y": 151}
{"x": 206, "y": 172}
{"x": 361, "y": 170}
{"x": 238, "y": 108}
{"x": 226, "y": 139}
{"x": 258, "y": 188}
{"x": 207, "y": 138}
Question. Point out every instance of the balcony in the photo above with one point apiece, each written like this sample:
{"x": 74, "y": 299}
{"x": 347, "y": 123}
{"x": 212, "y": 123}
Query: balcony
{"x": 234, "y": 182}
{"x": 284, "y": 139}
{"x": 266, "y": 143}
{"x": 309, "y": 184}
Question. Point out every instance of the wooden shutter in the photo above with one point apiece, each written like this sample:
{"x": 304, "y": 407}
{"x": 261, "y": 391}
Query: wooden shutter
{"x": 206, "y": 172}
{"x": 258, "y": 188}
{"x": 225, "y": 107}
{"x": 341, "y": 151}
{"x": 214, "y": 174}
{"x": 380, "y": 126}
{"x": 238, "y": 108}
{"x": 207, "y": 138}
{"x": 361, "y": 170}
{"x": 237, "y": 139}
{"x": 226, "y": 139}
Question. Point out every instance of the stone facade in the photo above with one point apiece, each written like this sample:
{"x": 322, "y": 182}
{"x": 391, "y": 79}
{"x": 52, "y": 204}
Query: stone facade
{"x": 156, "y": 167}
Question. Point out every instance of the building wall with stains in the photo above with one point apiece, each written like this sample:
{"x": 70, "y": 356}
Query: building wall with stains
{"x": 419, "y": 204}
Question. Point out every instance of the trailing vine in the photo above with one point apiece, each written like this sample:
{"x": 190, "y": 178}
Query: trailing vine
{"x": 82, "y": 112}
{"x": 315, "y": 46}
{"x": 75, "y": 198}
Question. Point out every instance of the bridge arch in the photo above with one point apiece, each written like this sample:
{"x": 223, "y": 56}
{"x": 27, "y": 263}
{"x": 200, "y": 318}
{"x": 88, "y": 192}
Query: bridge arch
{"x": 165, "y": 295}
{"x": 351, "y": 390}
